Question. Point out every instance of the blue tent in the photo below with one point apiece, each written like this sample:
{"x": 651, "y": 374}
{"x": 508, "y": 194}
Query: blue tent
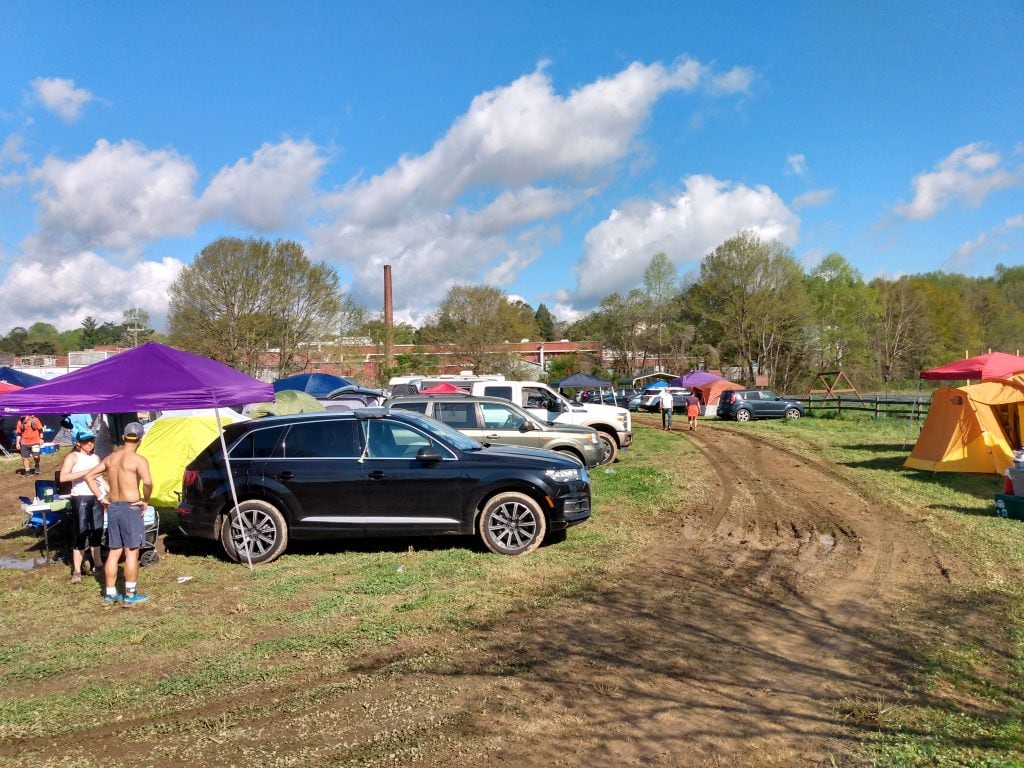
{"x": 657, "y": 385}
{"x": 11, "y": 376}
{"x": 315, "y": 384}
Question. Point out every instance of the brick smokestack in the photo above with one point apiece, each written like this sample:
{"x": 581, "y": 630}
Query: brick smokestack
{"x": 389, "y": 318}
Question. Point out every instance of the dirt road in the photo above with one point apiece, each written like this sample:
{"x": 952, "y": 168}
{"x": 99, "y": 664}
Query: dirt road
{"x": 751, "y": 634}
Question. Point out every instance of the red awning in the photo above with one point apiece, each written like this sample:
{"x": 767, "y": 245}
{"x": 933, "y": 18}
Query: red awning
{"x": 994, "y": 365}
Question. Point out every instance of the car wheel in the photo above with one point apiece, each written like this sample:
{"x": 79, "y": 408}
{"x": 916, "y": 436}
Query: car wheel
{"x": 148, "y": 558}
{"x": 569, "y": 453}
{"x": 792, "y": 413}
{"x": 611, "y": 448}
{"x": 743, "y": 415}
{"x": 257, "y": 526}
{"x": 512, "y": 524}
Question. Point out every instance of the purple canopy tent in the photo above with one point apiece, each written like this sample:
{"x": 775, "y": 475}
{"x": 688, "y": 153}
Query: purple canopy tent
{"x": 694, "y": 379}
{"x": 149, "y": 377}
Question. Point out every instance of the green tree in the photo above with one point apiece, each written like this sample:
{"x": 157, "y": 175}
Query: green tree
{"x": 545, "y": 323}
{"x": 474, "y": 320}
{"x": 844, "y": 309}
{"x": 899, "y": 333}
{"x": 89, "y": 328}
{"x": 751, "y": 296}
{"x": 241, "y": 298}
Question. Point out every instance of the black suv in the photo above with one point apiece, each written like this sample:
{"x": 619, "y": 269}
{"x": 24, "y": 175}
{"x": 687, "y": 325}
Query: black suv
{"x": 747, "y": 404}
{"x": 369, "y": 472}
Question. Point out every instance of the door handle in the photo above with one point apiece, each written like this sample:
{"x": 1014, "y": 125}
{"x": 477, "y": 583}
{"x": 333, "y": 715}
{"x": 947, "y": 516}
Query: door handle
{"x": 377, "y": 475}
{"x": 285, "y": 475}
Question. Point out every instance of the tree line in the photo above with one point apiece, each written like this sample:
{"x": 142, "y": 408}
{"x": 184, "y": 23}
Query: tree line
{"x": 749, "y": 307}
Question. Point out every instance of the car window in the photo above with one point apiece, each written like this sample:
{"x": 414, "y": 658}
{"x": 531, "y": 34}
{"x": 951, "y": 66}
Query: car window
{"x": 323, "y": 440}
{"x": 457, "y": 415}
{"x": 767, "y": 394}
{"x": 534, "y": 397}
{"x": 259, "y": 444}
{"x": 391, "y": 440}
{"x": 417, "y": 407}
{"x": 444, "y": 433}
{"x": 498, "y": 416}
{"x": 503, "y": 392}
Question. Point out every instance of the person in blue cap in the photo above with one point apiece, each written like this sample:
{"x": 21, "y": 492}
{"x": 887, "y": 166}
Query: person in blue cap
{"x": 126, "y": 470}
{"x": 86, "y": 513}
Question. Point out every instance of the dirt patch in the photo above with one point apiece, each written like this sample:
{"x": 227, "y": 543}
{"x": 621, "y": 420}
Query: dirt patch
{"x": 745, "y": 636}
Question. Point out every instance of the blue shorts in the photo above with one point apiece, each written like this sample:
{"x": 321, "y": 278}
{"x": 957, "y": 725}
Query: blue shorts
{"x": 88, "y": 521}
{"x": 125, "y": 529}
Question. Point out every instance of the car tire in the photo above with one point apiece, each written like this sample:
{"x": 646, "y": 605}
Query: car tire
{"x": 743, "y": 415}
{"x": 149, "y": 558}
{"x": 793, "y": 413}
{"x": 569, "y": 453}
{"x": 261, "y": 525}
{"x": 512, "y": 524}
{"x": 611, "y": 448}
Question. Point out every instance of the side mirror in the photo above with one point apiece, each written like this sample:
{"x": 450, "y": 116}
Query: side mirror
{"x": 562, "y": 406}
{"x": 428, "y": 454}
{"x": 527, "y": 426}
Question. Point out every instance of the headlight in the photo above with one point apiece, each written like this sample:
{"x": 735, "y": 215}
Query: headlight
{"x": 594, "y": 438}
{"x": 567, "y": 475}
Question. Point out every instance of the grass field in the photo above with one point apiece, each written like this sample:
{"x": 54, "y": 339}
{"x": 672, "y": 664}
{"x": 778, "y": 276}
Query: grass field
{"x": 224, "y": 631}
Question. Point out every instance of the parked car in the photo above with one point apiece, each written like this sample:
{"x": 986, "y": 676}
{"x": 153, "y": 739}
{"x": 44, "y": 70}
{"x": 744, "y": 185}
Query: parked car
{"x": 747, "y": 404}
{"x": 651, "y": 401}
{"x": 374, "y": 472}
{"x": 617, "y": 397}
{"x": 494, "y": 421}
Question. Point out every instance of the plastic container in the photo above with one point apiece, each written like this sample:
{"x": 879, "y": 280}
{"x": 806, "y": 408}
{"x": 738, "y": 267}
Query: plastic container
{"x": 1009, "y": 506}
{"x": 1016, "y": 475}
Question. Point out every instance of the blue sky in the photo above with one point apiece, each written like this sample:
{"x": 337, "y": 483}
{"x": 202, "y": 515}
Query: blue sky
{"x": 549, "y": 149}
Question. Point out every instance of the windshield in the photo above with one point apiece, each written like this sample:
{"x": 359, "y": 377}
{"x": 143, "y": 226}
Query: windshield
{"x": 443, "y": 432}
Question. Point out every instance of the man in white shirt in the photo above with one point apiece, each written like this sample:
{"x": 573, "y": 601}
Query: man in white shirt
{"x": 666, "y": 409}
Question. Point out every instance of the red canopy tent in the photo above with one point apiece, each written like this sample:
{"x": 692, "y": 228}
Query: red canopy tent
{"x": 5, "y": 387}
{"x": 994, "y": 365}
{"x": 444, "y": 388}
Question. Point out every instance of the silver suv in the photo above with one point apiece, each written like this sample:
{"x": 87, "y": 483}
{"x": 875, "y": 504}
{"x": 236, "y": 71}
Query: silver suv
{"x": 496, "y": 421}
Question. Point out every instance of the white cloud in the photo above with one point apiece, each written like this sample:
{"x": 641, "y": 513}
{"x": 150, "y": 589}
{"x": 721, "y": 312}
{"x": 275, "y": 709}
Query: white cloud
{"x": 439, "y": 213}
{"x": 797, "y": 164}
{"x": 969, "y": 173}
{"x": 812, "y": 199}
{"x": 61, "y": 97}
{"x": 86, "y": 284}
{"x": 117, "y": 196}
{"x": 736, "y": 80}
{"x": 10, "y": 151}
{"x": 686, "y": 228}
{"x": 270, "y": 191}
{"x": 997, "y": 239}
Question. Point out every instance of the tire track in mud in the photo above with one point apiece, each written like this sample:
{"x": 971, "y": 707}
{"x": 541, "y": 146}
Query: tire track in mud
{"x": 874, "y": 542}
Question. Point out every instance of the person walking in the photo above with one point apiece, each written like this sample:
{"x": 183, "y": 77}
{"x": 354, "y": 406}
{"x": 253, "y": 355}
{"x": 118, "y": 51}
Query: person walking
{"x": 692, "y": 410}
{"x": 124, "y": 469}
{"x": 29, "y": 440}
{"x": 667, "y": 404}
{"x": 87, "y": 515}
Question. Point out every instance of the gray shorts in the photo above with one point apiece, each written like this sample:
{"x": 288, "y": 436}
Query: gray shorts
{"x": 26, "y": 450}
{"x": 125, "y": 529}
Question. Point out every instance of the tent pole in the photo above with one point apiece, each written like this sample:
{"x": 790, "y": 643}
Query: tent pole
{"x": 231, "y": 483}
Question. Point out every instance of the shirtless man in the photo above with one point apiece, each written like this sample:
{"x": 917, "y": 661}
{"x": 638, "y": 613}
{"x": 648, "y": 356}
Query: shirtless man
{"x": 125, "y": 469}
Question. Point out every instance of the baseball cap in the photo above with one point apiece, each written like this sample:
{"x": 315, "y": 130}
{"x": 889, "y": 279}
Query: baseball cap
{"x": 84, "y": 436}
{"x": 134, "y": 432}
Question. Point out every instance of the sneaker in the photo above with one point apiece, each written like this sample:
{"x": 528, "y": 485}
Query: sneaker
{"x": 111, "y": 599}
{"x": 133, "y": 599}
{"x": 76, "y": 578}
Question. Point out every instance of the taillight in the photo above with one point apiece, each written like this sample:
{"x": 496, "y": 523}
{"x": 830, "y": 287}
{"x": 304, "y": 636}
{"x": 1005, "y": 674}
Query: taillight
{"x": 191, "y": 477}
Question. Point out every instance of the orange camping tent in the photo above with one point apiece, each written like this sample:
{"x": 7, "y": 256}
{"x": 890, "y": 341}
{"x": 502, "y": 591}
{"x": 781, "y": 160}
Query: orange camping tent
{"x": 974, "y": 428}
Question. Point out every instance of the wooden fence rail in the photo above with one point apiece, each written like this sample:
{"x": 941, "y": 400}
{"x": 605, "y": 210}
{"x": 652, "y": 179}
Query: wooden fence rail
{"x": 913, "y": 406}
